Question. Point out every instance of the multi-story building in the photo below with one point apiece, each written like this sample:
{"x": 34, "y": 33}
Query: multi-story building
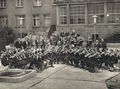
{"x": 28, "y": 15}
{"x": 87, "y": 17}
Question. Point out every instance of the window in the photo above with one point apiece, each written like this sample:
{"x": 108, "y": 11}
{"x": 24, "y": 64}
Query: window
{"x": 47, "y": 20}
{"x": 113, "y": 9}
{"x": 113, "y": 18}
{"x": 20, "y": 20}
{"x": 3, "y": 20}
{"x": 36, "y": 20}
{"x": 2, "y": 3}
{"x": 77, "y": 14}
{"x": 96, "y": 9}
{"x": 37, "y": 2}
{"x": 53, "y": 2}
{"x": 19, "y": 3}
{"x": 63, "y": 15}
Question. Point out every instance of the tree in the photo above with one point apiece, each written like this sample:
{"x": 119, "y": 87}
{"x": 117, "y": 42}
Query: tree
{"x": 7, "y": 36}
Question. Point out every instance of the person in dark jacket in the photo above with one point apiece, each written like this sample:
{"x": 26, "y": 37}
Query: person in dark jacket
{"x": 18, "y": 43}
{"x": 103, "y": 45}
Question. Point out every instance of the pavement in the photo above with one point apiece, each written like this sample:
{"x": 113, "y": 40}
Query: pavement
{"x": 33, "y": 81}
{"x": 75, "y": 78}
{"x": 63, "y": 77}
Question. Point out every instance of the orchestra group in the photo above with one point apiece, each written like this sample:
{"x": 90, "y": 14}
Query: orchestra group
{"x": 66, "y": 47}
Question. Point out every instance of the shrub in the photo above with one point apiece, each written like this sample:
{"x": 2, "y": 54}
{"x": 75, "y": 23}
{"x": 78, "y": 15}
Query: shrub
{"x": 7, "y": 35}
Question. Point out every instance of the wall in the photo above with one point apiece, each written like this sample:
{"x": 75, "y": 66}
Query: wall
{"x": 104, "y": 29}
{"x": 28, "y": 10}
{"x": 87, "y": 30}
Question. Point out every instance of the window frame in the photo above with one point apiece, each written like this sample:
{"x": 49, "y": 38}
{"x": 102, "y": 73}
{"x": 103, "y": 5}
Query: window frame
{"x": 63, "y": 15}
{"x": 53, "y": 2}
{"x": 48, "y": 16}
{"x": 78, "y": 14}
{"x": 17, "y": 21}
{"x": 2, "y": 4}
{"x": 4, "y": 17}
{"x": 19, "y": 3}
{"x": 36, "y": 18}
{"x": 114, "y": 15}
{"x": 37, "y": 3}
{"x": 98, "y": 11}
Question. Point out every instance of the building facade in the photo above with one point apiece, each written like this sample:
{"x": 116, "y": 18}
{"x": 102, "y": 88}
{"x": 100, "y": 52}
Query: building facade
{"x": 28, "y": 15}
{"x": 87, "y": 17}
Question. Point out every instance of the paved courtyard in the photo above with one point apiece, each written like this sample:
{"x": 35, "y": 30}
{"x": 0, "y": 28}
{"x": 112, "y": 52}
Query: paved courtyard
{"x": 63, "y": 77}
{"x": 74, "y": 78}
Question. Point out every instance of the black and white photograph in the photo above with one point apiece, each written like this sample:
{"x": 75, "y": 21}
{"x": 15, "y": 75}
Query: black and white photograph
{"x": 59, "y": 44}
